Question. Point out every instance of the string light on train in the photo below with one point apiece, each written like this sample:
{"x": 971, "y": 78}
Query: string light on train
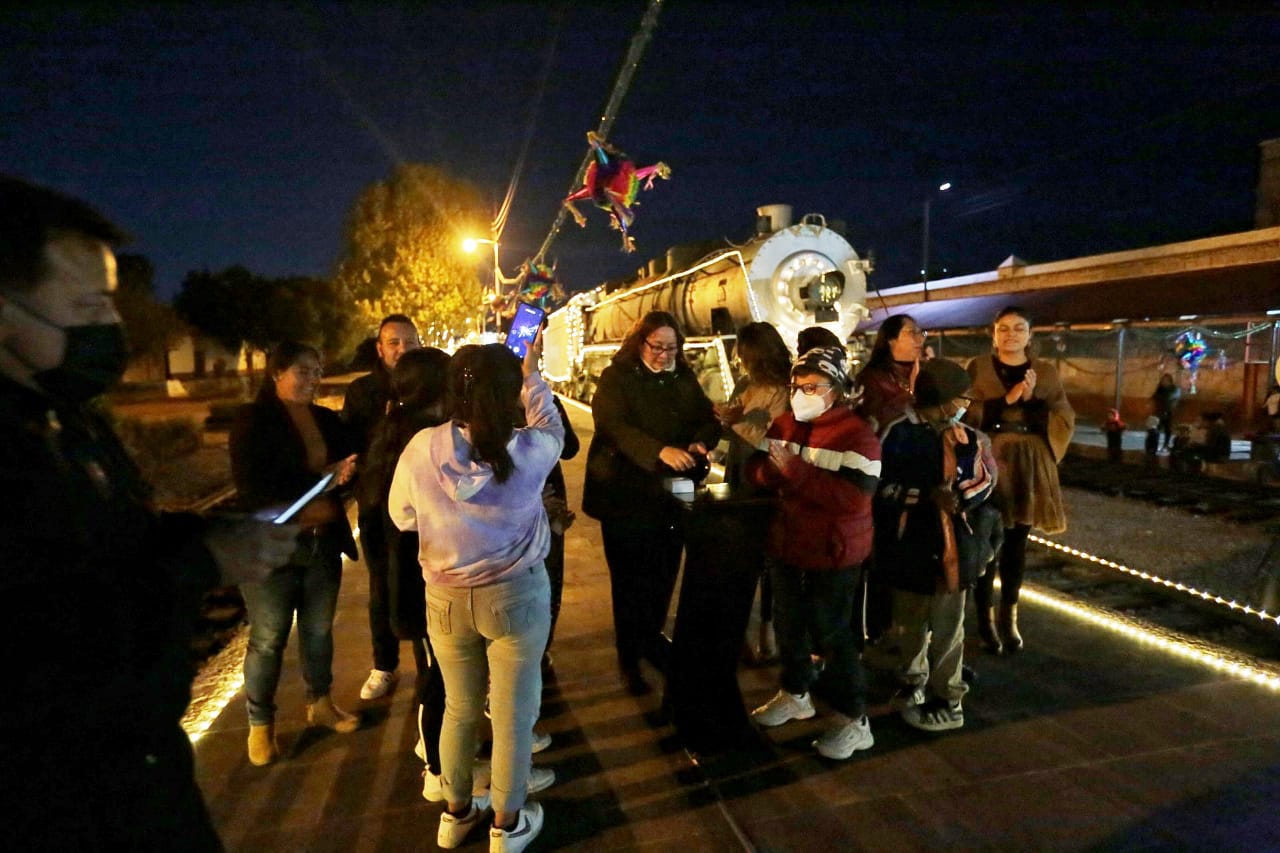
{"x": 1209, "y": 597}
{"x": 1171, "y": 643}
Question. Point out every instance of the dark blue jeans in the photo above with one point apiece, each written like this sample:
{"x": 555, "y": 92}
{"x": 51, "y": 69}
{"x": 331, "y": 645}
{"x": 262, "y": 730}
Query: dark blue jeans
{"x": 813, "y": 614}
{"x": 373, "y": 547}
{"x": 308, "y": 584}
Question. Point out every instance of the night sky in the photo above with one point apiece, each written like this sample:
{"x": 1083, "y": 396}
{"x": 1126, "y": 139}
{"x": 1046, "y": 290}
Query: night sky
{"x": 242, "y": 133}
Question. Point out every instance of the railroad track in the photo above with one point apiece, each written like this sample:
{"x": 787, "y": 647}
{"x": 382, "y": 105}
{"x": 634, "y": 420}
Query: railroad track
{"x": 1243, "y": 630}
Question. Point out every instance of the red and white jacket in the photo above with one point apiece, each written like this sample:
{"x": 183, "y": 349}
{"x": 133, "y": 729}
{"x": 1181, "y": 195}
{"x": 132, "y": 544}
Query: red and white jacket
{"x": 823, "y": 519}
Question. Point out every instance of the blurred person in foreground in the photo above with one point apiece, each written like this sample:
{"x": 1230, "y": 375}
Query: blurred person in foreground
{"x": 104, "y": 590}
{"x": 363, "y": 409}
{"x": 281, "y": 443}
{"x": 824, "y": 462}
{"x": 472, "y": 489}
{"x": 652, "y": 421}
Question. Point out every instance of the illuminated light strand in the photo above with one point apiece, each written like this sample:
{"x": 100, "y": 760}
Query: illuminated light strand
{"x": 1170, "y": 642}
{"x": 1176, "y": 586}
{"x": 219, "y": 680}
{"x": 726, "y": 375}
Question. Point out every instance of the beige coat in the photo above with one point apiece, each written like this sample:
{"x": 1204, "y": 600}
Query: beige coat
{"x": 1027, "y": 488}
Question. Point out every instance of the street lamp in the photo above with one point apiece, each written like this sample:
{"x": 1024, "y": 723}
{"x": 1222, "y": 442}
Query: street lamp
{"x": 924, "y": 250}
{"x": 469, "y": 245}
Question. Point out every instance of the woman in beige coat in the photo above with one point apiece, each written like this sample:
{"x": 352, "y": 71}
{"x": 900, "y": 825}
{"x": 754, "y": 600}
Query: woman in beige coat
{"x": 1020, "y": 403}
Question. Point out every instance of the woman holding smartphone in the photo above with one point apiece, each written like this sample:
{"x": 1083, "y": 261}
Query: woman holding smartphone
{"x": 281, "y": 444}
{"x": 472, "y": 489}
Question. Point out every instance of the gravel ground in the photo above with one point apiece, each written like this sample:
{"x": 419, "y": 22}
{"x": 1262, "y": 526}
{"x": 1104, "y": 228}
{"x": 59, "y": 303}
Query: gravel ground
{"x": 1201, "y": 551}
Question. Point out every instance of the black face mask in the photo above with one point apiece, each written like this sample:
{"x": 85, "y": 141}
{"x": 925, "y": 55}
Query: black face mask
{"x": 94, "y": 359}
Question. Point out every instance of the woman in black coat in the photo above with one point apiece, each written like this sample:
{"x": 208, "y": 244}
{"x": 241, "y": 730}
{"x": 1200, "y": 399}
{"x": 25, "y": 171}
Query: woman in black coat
{"x": 652, "y": 420}
{"x": 280, "y": 445}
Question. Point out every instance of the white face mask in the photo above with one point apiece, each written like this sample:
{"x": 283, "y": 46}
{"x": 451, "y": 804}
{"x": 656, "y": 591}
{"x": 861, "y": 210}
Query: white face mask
{"x": 807, "y": 408}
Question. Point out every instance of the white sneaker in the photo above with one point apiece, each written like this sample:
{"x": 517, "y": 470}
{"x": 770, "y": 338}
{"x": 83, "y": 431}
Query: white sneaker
{"x": 378, "y": 684}
{"x": 783, "y": 708}
{"x": 845, "y": 738}
{"x": 454, "y": 830}
{"x": 528, "y": 825}
{"x": 432, "y": 787}
{"x": 541, "y": 778}
{"x": 907, "y": 696}
{"x": 937, "y": 715}
{"x": 541, "y": 740}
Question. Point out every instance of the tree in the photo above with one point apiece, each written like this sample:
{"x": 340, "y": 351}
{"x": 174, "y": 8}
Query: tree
{"x": 403, "y": 250}
{"x": 151, "y": 326}
{"x": 222, "y": 305}
{"x": 236, "y": 307}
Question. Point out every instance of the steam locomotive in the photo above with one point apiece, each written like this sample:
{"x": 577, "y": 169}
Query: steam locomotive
{"x": 792, "y": 276}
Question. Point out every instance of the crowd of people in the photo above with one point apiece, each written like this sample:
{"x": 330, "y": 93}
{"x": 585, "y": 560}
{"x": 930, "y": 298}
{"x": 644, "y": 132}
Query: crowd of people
{"x": 896, "y": 490}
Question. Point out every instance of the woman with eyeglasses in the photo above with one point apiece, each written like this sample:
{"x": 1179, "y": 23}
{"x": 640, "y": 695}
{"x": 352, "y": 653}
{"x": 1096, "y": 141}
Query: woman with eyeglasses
{"x": 888, "y": 379}
{"x": 652, "y": 420}
{"x": 281, "y": 444}
{"x": 888, "y": 385}
{"x": 1018, "y": 401}
{"x": 824, "y": 462}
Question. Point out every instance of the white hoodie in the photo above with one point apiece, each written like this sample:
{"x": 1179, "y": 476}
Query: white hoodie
{"x": 473, "y": 530}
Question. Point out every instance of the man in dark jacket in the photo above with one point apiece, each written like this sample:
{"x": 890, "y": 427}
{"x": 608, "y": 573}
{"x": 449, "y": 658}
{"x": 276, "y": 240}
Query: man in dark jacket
{"x": 103, "y": 590}
{"x": 365, "y": 404}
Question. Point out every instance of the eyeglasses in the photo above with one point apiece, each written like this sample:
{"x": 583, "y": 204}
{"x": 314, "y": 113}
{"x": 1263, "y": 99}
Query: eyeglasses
{"x": 811, "y": 388}
{"x": 659, "y": 350}
{"x": 307, "y": 372}
{"x": 917, "y": 334}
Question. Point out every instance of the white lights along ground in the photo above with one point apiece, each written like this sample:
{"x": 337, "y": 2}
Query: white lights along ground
{"x": 1171, "y": 643}
{"x": 1191, "y": 591}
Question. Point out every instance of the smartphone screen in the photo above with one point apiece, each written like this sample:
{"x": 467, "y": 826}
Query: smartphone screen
{"x": 310, "y": 495}
{"x": 524, "y": 328}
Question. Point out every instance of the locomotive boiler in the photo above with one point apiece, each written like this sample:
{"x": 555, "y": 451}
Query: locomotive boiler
{"x": 790, "y": 275}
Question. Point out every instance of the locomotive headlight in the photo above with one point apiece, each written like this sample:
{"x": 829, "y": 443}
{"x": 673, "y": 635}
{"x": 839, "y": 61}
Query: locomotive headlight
{"x": 823, "y": 291}
{"x": 809, "y": 283}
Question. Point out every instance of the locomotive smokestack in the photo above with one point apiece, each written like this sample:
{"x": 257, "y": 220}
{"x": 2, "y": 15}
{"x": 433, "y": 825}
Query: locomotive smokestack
{"x": 772, "y": 217}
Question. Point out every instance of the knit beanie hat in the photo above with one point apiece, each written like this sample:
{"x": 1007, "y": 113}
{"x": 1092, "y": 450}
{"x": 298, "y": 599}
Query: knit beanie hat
{"x": 940, "y": 381}
{"x": 829, "y": 361}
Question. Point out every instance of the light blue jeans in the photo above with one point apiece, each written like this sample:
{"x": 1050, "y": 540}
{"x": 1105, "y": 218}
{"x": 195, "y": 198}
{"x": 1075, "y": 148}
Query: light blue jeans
{"x": 308, "y": 584}
{"x": 490, "y": 639}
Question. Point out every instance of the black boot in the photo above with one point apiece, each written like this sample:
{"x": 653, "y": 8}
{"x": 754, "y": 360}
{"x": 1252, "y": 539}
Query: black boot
{"x": 1009, "y": 627}
{"x": 986, "y": 620}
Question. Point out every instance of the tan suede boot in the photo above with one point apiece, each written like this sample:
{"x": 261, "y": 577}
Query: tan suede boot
{"x": 263, "y": 749}
{"x": 1009, "y": 627}
{"x": 325, "y": 714}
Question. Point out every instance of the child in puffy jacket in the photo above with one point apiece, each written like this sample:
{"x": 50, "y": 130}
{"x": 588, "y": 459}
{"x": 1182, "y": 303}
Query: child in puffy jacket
{"x": 823, "y": 460}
